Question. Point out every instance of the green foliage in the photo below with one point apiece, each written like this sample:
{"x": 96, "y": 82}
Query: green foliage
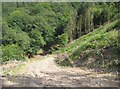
{"x": 7, "y": 8}
{"x": 63, "y": 39}
{"x": 34, "y": 26}
{"x": 21, "y": 19}
{"x": 91, "y": 38}
{"x": 32, "y": 50}
{"x": 23, "y": 40}
{"x": 12, "y": 52}
{"x": 104, "y": 12}
{"x": 100, "y": 40}
{"x": 16, "y": 36}
{"x": 37, "y": 38}
{"x": 98, "y": 49}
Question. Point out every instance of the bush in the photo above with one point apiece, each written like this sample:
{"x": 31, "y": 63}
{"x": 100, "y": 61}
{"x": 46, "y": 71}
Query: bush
{"x": 12, "y": 52}
{"x": 20, "y": 19}
{"x": 36, "y": 38}
{"x": 16, "y": 36}
{"x": 63, "y": 39}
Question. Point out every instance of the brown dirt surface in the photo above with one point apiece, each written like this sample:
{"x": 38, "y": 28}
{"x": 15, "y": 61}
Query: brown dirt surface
{"x": 46, "y": 72}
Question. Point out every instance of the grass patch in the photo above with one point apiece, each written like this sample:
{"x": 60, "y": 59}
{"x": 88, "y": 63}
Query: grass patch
{"x": 85, "y": 40}
{"x": 19, "y": 69}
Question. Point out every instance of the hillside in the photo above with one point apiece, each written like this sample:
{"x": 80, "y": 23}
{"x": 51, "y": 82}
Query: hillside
{"x": 60, "y": 44}
{"x": 97, "y": 49}
{"x": 49, "y": 26}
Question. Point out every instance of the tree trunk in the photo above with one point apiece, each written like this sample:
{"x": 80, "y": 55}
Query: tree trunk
{"x": 23, "y": 4}
{"x": 17, "y": 4}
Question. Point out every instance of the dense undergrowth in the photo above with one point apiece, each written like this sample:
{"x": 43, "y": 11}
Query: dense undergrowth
{"x": 98, "y": 49}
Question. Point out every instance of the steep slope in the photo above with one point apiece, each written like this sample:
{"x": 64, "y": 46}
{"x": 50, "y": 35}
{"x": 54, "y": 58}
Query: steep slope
{"x": 98, "y": 49}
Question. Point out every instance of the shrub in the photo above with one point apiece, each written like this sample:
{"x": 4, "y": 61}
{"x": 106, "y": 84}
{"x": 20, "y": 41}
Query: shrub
{"x": 16, "y": 36}
{"x": 63, "y": 39}
{"x": 36, "y": 38}
{"x": 20, "y": 19}
{"x": 12, "y": 52}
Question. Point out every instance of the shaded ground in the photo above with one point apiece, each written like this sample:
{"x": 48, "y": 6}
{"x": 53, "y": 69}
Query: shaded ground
{"x": 45, "y": 72}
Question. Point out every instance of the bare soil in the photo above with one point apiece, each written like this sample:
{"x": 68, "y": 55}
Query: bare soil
{"x": 45, "y": 72}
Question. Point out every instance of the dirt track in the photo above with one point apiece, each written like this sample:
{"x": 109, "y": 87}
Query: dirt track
{"x": 46, "y": 73}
